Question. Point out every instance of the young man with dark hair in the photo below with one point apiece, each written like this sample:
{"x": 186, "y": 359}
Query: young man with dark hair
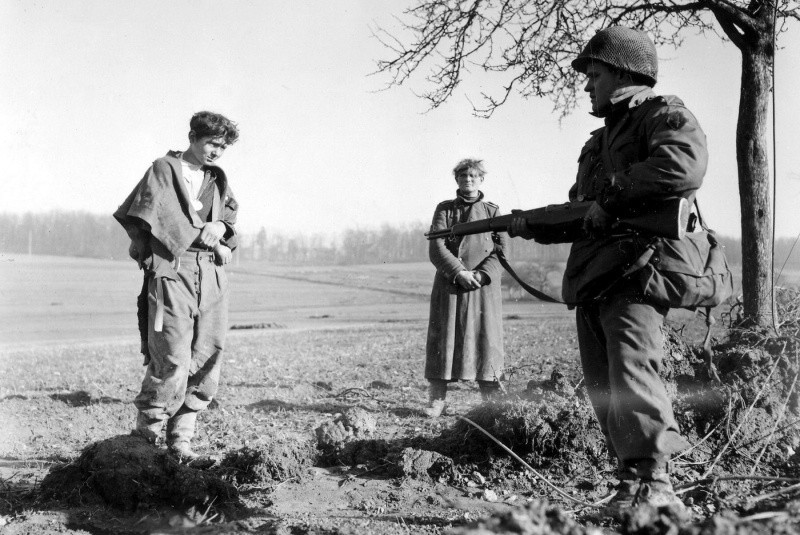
{"x": 180, "y": 218}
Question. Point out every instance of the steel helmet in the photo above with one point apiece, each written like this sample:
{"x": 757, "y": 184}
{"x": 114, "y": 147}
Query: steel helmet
{"x": 623, "y": 48}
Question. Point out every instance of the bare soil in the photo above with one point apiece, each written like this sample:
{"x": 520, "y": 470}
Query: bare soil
{"x": 320, "y": 430}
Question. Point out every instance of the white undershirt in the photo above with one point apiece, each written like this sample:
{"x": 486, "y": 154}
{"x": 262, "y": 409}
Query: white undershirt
{"x": 193, "y": 175}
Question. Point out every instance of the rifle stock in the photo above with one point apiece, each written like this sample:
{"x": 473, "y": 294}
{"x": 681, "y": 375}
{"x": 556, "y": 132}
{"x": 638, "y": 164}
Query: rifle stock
{"x": 563, "y": 223}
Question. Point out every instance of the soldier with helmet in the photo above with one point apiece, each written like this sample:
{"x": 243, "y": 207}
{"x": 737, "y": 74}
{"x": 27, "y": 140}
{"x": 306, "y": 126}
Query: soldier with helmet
{"x": 650, "y": 149}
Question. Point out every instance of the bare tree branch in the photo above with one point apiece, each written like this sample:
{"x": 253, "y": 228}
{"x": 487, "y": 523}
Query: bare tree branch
{"x": 738, "y": 24}
{"x": 731, "y": 29}
{"x": 526, "y": 47}
{"x": 529, "y": 44}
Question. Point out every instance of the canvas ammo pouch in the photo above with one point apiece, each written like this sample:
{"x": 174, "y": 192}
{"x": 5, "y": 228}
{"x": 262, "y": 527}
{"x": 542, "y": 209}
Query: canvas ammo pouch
{"x": 688, "y": 273}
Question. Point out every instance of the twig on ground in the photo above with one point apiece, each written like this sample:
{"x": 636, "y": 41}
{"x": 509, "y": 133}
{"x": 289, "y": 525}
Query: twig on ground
{"x": 204, "y": 518}
{"x": 145, "y": 517}
{"x": 713, "y": 480}
{"x": 402, "y": 523}
{"x": 354, "y": 393}
{"x": 743, "y": 420}
{"x": 700, "y": 442}
{"x": 12, "y": 492}
{"x": 376, "y": 467}
{"x": 529, "y": 467}
{"x": 767, "y": 515}
{"x": 755, "y": 500}
{"x": 102, "y": 392}
{"x": 779, "y": 430}
{"x": 511, "y": 371}
{"x": 781, "y": 414}
{"x": 293, "y": 478}
{"x": 7, "y": 480}
{"x": 27, "y": 461}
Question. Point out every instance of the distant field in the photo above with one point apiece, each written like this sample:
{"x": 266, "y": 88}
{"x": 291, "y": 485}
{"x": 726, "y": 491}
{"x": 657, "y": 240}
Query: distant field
{"x": 46, "y": 300}
{"x": 51, "y": 300}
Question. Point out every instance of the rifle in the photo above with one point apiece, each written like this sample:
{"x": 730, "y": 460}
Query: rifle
{"x": 563, "y": 223}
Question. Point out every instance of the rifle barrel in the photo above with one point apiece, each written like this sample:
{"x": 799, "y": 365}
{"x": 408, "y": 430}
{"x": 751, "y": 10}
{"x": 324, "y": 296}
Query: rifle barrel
{"x": 563, "y": 223}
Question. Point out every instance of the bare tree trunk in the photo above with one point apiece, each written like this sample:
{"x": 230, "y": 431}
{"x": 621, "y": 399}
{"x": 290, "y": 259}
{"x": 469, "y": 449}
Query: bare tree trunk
{"x": 754, "y": 186}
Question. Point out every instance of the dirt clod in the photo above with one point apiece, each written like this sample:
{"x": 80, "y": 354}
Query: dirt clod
{"x": 548, "y": 429}
{"x": 273, "y": 461}
{"x": 420, "y": 464}
{"x": 354, "y": 423}
{"x": 345, "y": 440}
{"x": 646, "y": 520}
{"x": 535, "y": 518}
{"x": 127, "y": 472}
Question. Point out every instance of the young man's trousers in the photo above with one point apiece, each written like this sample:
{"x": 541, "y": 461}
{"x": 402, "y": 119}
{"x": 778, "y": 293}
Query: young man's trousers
{"x": 186, "y": 353}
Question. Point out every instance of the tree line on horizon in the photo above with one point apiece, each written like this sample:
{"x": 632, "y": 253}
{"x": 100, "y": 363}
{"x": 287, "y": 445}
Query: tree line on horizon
{"x": 88, "y": 235}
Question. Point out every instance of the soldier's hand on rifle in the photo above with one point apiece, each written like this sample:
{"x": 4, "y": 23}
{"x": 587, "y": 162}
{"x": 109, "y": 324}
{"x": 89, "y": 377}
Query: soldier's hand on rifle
{"x": 519, "y": 227}
{"x": 597, "y": 221}
{"x": 222, "y": 255}
{"x": 211, "y": 233}
{"x": 467, "y": 280}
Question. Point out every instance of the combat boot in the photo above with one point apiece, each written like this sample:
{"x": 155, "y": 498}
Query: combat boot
{"x": 656, "y": 490}
{"x": 149, "y": 428}
{"x": 180, "y": 431}
{"x": 624, "y": 493}
{"x": 655, "y": 486}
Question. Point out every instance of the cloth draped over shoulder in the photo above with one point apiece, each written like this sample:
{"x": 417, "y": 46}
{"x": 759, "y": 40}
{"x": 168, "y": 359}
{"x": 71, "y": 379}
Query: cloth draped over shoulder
{"x": 159, "y": 217}
{"x": 656, "y": 150}
{"x": 465, "y": 329}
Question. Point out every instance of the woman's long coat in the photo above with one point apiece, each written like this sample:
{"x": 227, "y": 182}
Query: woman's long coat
{"x": 465, "y": 330}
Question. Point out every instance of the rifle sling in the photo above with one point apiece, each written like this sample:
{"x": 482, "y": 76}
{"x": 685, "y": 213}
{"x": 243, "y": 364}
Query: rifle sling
{"x": 640, "y": 262}
{"x": 528, "y": 288}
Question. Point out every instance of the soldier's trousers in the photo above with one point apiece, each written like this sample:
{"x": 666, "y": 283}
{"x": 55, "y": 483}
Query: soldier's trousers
{"x": 621, "y": 346}
{"x": 186, "y": 354}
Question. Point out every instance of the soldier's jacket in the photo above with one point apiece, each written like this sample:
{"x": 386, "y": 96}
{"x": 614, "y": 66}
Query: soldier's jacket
{"x": 656, "y": 150}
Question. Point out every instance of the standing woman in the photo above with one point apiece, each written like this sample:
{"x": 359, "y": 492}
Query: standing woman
{"x": 465, "y": 330}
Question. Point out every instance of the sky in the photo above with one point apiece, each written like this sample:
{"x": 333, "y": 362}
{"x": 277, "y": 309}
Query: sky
{"x": 95, "y": 90}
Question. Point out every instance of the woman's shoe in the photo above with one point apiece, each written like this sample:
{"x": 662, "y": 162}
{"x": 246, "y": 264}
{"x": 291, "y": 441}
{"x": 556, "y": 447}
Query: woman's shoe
{"x": 435, "y": 409}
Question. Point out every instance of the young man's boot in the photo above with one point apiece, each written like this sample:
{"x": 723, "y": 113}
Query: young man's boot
{"x": 437, "y": 393}
{"x": 180, "y": 431}
{"x": 149, "y": 428}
